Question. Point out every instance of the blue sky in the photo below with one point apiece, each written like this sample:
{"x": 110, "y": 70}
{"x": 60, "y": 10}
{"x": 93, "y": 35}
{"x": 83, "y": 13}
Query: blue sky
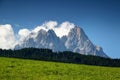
{"x": 100, "y": 19}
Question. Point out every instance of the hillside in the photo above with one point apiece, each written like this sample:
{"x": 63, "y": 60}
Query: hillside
{"x": 20, "y": 69}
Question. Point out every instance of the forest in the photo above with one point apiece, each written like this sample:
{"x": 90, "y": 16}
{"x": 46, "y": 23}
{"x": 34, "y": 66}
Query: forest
{"x": 65, "y": 56}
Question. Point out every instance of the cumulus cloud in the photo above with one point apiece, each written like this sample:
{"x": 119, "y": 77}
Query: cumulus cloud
{"x": 23, "y": 33}
{"x": 64, "y": 29}
{"x": 7, "y": 39}
{"x": 51, "y": 24}
{"x": 60, "y": 30}
{"x": 38, "y": 28}
{"x": 46, "y": 26}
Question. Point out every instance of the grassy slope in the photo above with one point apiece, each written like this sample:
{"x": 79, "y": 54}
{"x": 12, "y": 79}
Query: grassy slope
{"x": 20, "y": 69}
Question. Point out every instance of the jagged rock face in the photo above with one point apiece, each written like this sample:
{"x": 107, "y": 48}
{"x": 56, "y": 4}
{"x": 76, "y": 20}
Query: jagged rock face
{"x": 43, "y": 40}
{"x": 99, "y": 52}
{"x": 75, "y": 41}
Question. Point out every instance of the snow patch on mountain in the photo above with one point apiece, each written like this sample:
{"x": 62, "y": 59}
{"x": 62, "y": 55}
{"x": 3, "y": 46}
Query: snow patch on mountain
{"x": 76, "y": 41}
{"x": 60, "y": 30}
{"x": 58, "y": 37}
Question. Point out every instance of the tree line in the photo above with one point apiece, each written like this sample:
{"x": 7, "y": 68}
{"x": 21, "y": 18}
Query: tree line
{"x": 65, "y": 56}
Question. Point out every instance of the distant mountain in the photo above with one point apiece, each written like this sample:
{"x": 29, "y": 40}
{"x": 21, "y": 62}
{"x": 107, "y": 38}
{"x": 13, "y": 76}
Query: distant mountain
{"x": 42, "y": 39}
{"x": 75, "y": 41}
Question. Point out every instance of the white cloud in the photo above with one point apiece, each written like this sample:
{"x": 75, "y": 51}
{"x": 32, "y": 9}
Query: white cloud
{"x": 7, "y": 39}
{"x": 51, "y": 25}
{"x": 60, "y": 30}
{"x": 64, "y": 29}
{"x": 23, "y": 33}
{"x": 46, "y": 26}
{"x": 38, "y": 28}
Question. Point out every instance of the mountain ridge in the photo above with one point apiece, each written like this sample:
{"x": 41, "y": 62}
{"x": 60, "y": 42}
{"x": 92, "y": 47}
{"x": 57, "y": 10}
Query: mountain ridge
{"x": 75, "y": 41}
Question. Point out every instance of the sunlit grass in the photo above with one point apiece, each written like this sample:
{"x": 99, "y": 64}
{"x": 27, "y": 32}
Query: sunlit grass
{"x": 20, "y": 69}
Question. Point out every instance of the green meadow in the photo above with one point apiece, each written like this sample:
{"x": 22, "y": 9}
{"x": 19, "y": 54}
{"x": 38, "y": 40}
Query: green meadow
{"x": 22, "y": 69}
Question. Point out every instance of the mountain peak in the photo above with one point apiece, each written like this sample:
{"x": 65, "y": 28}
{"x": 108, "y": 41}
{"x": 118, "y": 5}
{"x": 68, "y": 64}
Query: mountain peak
{"x": 41, "y": 31}
{"x": 75, "y": 41}
{"x": 52, "y": 33}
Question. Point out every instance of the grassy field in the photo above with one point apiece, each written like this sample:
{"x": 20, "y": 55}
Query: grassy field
{"x": 20, "y": 69}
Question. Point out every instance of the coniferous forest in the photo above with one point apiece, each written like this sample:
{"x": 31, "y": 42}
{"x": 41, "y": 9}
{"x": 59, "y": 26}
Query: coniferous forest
{"x": 66, "y": 57}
